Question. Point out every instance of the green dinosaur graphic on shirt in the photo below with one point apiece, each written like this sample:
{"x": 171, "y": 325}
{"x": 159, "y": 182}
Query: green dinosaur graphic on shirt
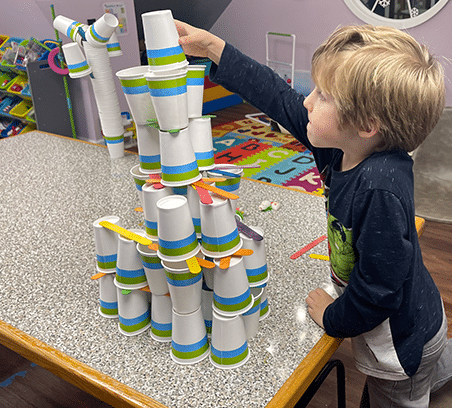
{"x": 340, "y": 243}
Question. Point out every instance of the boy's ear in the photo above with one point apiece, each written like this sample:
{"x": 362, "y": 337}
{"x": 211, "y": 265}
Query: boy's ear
{"x": 371, "y": 130}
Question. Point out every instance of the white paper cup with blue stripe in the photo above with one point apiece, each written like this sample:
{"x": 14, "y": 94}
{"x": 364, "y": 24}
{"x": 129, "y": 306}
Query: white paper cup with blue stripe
{"x": 256, "y": 263}
{"x": 153, "y": 268}
{"x": 252, "y": 316}
{"x": 207, "y": 301}
{"x": 264, "y": 308}
{"x": 219, "y": 233}
{"x": 185, "y": 287}
{"x": 113, "y": 46}
{"x": 129, "y": 268}
{"x": 161, "y": 318}
{"x": 106, "y": 243}
{"x": 139, "y": 179}
{"x": 101, "y": 30}
{"x": 195, "y": 89}
{"x": 150, "y": 197}
{"x": 200, "y": 130}
{"x": 134, "y": 311}
{"x": 162, "y": 41}
{"x": 176, "y": 233}
{"x": 231, "y": 182}
{"x": 177, "y": 159}
{"x": 148, "y": 149}
{"x": 169, "y": 97}
{"x": 108, "y": 298}
{"x": 76, "y": 61}
{"x": 189, "y": 344}
{"x": 193, "y": 204}
{"x": 231, "y": 292}
{"x": 136, "y": 92}
{"x": 229, "y": 345}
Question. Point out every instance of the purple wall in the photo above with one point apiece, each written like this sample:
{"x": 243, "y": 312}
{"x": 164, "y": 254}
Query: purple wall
{"x": 245, "y": 22}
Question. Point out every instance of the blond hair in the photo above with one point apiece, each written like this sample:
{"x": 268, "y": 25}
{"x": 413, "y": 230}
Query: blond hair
{"x": 381, "y": 76}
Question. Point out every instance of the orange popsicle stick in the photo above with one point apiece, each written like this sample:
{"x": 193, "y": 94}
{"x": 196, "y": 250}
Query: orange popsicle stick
{"x": 154, "y": 246}
{"x": 98, "y": 275}
{"x": 222, "y": 193}
{"x": 146, "y": 289}
{"x": 224, "y": 262}
{"x": 243, "y": 252}
{"x": 205, "y": 263}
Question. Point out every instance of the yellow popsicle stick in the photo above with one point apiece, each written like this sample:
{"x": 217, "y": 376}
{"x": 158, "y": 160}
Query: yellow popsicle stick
{"x": 213, "y": 179}
{"x": 322, "y": 257}
{"x": 243, "y": 252}
{"x": 220, "y": 192}
{"x": 146, "y": 289}
{"x": 224, "y": 262}
{"x": 125, "y": 233}
{"x": 205, "y": 263}
{"x": 98, "y": 275}
{"x": 153, "y": 181}
{"x": 193, "y": 265}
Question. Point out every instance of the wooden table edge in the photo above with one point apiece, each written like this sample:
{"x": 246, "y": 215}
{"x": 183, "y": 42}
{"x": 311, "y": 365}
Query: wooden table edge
{"x": 295, "y": 386}
{"x": 73, "y": 371}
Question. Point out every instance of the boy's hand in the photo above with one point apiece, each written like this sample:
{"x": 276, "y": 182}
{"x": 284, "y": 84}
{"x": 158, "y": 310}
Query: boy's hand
{"x": 318, "y": 300}
{"x": 199, "y": 43}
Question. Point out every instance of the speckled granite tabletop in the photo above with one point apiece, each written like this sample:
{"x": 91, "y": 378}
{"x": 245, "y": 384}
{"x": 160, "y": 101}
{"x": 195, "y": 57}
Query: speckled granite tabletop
{"x": 53, "y": 188}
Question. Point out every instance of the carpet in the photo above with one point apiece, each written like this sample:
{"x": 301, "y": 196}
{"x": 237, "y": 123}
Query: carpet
{"x": 433, "y": 173}
{"x": 283, "y": 160}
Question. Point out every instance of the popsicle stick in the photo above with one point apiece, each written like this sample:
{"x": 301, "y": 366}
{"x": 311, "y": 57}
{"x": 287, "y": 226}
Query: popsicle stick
{"x": 225, "y": 173}
{"x": 213, "y": 179}
{"x": 250, "y": 233}
{"x": 125, "y": 233}
{"x": 222, "y": 193}
{"x": 205, "y": 263}
{"x": 193, "y": 265}
{"x": 126, "y": 291}
{"x": 224, "y": 262}
{"x": 158, "y": 186}
{"x": 322, "y": 257}
{"x": 243, "y": 252}
{"x": 139, "y": 209}
{"x": 204, "y": 195}
{"x": 238, "y": 166}
{"x": 308, "y": 247}
{"x": 153, "y": 246}
{"x": 146, "y": 289}
{"x": 98, "y": 276}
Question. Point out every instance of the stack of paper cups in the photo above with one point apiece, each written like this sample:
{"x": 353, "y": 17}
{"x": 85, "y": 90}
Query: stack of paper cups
{"x": 169, "y": 97}
{"x": 177, "y": 237}
{"x": 106, "y": 99}
{"x": 256, "y": 263}
{"x": 195, "y": 90}
{"x": 162, "y": 41}
{"x": 113, "y": 46}
{"x": 200, "y": 130}
{"x": 134, "y": 312}
{"x": 106, "y": 242}
{"x": 177, "y": 158}
{"x": 100, "y": 32}
{"x": 137, "y": 94}
{"x": 75, "y": 60}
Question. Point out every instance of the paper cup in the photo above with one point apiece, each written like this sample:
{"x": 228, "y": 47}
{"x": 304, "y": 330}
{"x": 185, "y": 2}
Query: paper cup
{"x": 169, "y": 97}
{"x": 162, "y": 41}
{"x": 207, "y": 274}
{"x": 176, "y": 233}
{"x": 195, "y": 89}
{"x": 178, "y": 161}
{"x": 140, "y": 180}
{"x": 134, "y": 312}
{"x": 129, "y": 268}
{"x": 137, "y": 94}
{"x": 153, "y": 269}
{"x": 264, "y": 308}
{"x": 229, "y": 346}
{"x": 113, "y": 46}
{"x": 150, "y": 196}
{"x": 255, "y": 264}
{"x": 70, "y": 28}
{"x": 106, "y": 243}
{"x": 232, "y": 295}
{"x": 100, "y": 32}
{"x": 231, "y": 184}
{"x": 189, "y": 343}
{"x": 108, "y": 297}
{"x": 184, "y": 287}
{"x": 115, "y": 146}
{"x": 207, "y": 300}
{"x": 220, "y": 236}
{"x": 148, "y": 149}
{"x": 193, "y": 204}
{"x": 75, "y": 60}
{"x": 251, "y": 317}
{"x": 161, "y": 318}
{"x": 200, "y": 130}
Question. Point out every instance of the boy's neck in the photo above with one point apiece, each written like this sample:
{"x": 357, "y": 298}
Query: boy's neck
{"x": 360, "y": 150}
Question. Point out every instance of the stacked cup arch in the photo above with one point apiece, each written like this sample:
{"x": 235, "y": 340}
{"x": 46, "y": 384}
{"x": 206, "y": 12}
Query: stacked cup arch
{"x": 162, "y": 41}
{"x": 176, "y": 233}
{"x": 177, "y": 159}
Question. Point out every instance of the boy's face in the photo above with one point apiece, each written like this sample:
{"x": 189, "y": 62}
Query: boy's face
{"x": 323, "y": 127}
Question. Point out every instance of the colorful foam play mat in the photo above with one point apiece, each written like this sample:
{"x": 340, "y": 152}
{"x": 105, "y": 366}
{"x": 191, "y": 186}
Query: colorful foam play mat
{"x": 282, "y": 159}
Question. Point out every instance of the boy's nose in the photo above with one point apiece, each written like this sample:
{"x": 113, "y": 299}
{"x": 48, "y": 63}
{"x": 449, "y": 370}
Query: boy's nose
{"x": 307, "y": 103}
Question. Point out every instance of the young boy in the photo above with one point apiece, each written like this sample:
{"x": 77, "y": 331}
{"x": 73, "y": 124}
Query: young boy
{"x": 377, "y": 96}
